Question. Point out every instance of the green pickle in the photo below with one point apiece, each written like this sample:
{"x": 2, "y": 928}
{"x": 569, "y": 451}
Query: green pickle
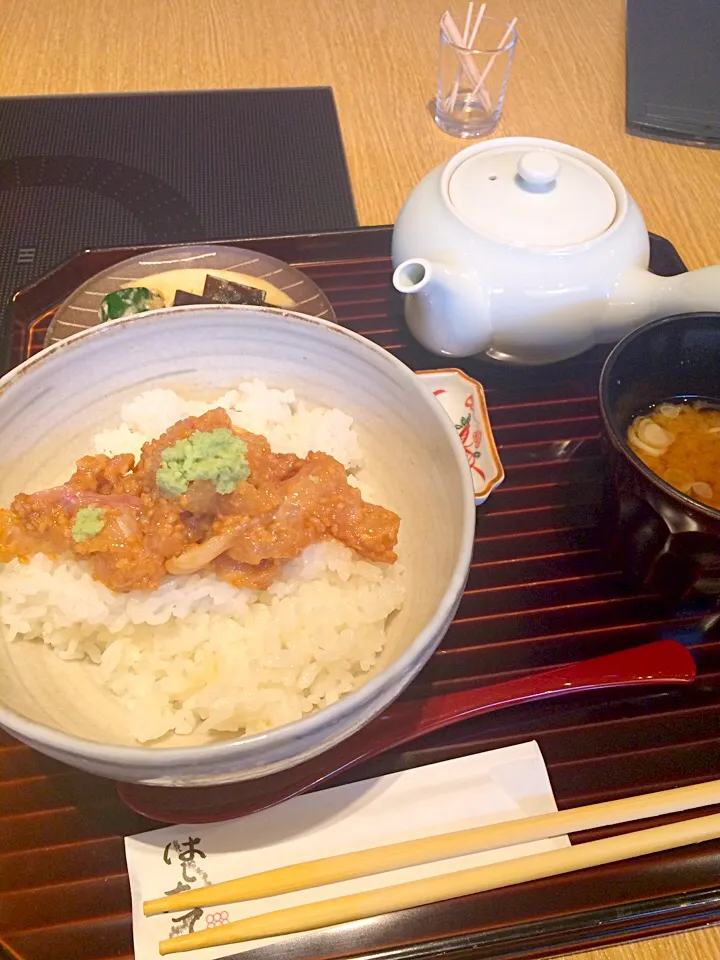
{"x": 128, "y": 301}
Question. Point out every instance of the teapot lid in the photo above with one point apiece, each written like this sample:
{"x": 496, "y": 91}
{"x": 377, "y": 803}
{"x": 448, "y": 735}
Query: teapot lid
{"x": 532, "y": 198}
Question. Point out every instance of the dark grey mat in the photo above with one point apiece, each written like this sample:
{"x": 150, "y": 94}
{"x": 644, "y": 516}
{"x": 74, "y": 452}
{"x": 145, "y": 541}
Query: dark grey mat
{"x": 98, "y": 171}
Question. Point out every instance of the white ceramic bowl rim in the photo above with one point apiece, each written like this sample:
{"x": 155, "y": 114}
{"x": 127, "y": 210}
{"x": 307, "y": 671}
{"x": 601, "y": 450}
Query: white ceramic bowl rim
{"x": 148, "y": 757}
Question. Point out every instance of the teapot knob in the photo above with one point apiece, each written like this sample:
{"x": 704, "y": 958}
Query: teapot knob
{"x": 538, "y": 168}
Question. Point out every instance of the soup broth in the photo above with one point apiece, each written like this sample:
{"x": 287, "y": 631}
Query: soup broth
{"x": 680, "y": 442}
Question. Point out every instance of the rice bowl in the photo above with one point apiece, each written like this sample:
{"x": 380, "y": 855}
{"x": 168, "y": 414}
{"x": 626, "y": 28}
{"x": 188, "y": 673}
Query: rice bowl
{"x": 51, "y": 409}
{"x": 198, "y": 654}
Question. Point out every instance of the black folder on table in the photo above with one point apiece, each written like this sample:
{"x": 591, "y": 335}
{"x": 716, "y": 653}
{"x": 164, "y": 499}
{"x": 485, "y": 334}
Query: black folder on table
{"x": 673, "y": 70}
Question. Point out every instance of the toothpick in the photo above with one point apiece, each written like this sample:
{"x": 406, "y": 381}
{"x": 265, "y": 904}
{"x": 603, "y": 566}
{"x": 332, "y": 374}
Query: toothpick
{"x": 478, "y": 87}
{"x": 468, "y": 64}
{"x": 468, "y": 17}
{"x": 468, "y": 39}
{"x": 481, "y": 13}
{"x": 450, "y": 105}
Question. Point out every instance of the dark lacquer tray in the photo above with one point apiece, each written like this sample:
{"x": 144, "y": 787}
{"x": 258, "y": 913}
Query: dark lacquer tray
{"x": 541, "y": 592}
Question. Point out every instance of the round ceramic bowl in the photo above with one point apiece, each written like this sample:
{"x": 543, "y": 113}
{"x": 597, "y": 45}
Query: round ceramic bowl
{"x": 666, "y": 541}
{"x": 158, "y": 268}
{"x": 52, "y": 404}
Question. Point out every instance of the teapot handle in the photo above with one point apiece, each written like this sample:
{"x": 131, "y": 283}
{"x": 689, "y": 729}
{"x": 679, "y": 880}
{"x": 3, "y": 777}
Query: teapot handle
{"x": 694, "y": 292}
{"x": 640, "y": 296}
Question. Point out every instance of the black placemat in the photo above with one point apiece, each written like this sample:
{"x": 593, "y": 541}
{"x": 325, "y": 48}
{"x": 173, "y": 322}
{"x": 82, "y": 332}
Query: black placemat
{"x": 116, "y": 170}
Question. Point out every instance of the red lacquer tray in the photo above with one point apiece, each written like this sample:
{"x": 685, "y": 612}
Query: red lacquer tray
{"x": 540, "y": 593}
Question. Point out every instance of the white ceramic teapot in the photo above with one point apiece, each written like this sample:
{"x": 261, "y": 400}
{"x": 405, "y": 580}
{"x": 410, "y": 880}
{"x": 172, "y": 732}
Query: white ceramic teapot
{"x": 530, "y": 251}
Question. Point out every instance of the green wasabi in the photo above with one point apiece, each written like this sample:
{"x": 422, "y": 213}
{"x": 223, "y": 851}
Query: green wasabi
{"x": 88, "y": 523}
{"x": 217, "y": 456}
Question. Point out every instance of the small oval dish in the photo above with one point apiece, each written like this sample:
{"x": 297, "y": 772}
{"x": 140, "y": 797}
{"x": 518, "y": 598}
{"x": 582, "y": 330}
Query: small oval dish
{"x": 463, "y": 399}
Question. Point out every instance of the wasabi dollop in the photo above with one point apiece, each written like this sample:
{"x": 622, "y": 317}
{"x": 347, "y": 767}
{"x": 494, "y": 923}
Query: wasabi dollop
{"x": 217, "y": 456}
{"x": 88, "y": 523}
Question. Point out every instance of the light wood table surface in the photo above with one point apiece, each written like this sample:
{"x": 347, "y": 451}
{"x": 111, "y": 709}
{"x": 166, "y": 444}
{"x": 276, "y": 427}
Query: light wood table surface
{"x": 380, "y": 56}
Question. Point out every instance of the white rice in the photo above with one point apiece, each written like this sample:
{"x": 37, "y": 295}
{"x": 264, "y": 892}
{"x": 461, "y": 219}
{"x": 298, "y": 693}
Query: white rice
{"x": 198, "y": 654}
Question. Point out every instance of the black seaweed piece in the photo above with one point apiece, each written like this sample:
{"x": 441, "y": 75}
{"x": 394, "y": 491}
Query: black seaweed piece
{"x": 225, "y": 291}
{"x": 185, "y": 299}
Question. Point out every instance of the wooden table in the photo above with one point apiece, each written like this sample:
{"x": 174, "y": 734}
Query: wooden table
{"x": 380, "y": 58}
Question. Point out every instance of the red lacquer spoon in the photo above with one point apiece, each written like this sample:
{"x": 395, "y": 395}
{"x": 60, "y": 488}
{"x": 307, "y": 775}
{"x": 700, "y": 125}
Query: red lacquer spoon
{"x": 665, "y": 661}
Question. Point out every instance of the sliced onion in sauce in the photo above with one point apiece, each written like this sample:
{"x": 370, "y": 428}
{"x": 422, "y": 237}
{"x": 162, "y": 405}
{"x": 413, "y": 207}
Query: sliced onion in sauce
{"x": 702, "y": 489}
{"x": 199, "y": 555}
{"x": 671, "y": 410}
{"x": 126, "y": 523}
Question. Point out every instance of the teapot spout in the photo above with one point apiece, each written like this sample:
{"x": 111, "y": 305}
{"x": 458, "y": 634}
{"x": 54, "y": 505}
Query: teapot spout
{"x": 412, "y": 275}
{"x": 445, "y": 310}
{"x": 640, "y": 296}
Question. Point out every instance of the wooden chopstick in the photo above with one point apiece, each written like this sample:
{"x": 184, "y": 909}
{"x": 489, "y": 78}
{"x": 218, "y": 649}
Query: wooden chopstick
{"x": 444, "y": 847}
{"x": 359, "y": 906}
